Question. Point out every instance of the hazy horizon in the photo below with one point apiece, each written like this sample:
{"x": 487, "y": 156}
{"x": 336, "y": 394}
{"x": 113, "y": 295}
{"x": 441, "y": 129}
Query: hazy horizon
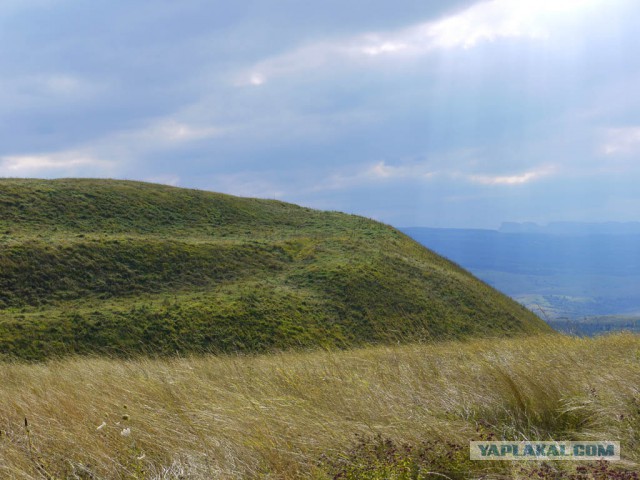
{"x": 623, "y": 227}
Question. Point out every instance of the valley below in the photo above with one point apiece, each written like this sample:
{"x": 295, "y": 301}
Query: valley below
{"x": 581, "y": 279}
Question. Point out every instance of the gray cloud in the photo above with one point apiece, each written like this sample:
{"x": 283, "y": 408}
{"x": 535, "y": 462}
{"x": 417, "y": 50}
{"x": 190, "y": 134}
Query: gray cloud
{"x": 449, "y": 113}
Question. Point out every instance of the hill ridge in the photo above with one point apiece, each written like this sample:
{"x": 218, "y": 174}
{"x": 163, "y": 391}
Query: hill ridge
{"x": 121, "y": 267}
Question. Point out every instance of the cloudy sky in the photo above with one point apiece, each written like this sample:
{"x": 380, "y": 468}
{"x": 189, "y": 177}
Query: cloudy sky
{"x": 450, "y": 113}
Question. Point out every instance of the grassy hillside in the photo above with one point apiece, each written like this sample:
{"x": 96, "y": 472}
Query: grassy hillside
{"x": 120, "y": 267}
{"x": 414, "y": 409}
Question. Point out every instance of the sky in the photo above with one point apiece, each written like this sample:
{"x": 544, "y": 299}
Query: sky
{"x": 433, "y": 113}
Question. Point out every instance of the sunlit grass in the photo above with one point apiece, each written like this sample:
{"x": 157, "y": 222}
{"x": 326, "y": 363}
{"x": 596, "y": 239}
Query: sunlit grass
{"x": 295, "y": 415}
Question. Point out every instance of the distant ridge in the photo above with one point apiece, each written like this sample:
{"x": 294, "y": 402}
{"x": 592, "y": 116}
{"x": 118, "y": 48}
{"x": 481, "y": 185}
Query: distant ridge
{"x": 573, "y": 228}
{"x": 120, "y": 267}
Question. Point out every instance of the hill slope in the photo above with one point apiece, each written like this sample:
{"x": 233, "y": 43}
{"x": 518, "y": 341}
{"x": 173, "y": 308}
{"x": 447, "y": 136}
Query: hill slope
{"x": 120, "y": 267}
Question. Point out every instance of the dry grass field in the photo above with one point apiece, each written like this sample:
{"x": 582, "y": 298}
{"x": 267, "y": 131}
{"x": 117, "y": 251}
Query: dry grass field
{"x": 379, "y": 412}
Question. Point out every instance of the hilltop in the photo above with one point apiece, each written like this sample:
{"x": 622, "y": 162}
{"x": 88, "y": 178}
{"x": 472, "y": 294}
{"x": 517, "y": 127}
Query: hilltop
{"x": 118, "y": 267}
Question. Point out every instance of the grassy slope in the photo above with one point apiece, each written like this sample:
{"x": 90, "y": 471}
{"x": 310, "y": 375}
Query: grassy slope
{"x": 294, "y": 415}
{"x": 120, "y": 267}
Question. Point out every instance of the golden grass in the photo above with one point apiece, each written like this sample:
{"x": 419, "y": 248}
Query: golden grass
{"x": 276, "y": 416}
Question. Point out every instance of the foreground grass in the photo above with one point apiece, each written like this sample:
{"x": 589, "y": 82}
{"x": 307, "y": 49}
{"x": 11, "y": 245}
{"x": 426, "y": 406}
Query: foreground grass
{"x": 377, "y": 412}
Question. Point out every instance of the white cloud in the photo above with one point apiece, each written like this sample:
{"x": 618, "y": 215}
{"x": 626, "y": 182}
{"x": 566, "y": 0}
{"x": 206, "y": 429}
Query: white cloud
{"x": 621, "y": 141}
{"x": 483, "y": 22}
{"x": 273, "y": 185}
{"x": 382, "y": 170}
{"x": 486, "y": 22}
{"x": 385, "y": 47}
{"x": 256, "y": 79}
{"x": 122, "y": 149}
{"x": 303, "y": 58}
{"x": 374, "y": 173}
{"x": 490, "y": 21}
{"x": 171, "y": 130}
{"x": 158, "y": 135}
{"x": 58, "y": 164}
{"x": 417, "y": 171}
{"x": 518, "y": 179}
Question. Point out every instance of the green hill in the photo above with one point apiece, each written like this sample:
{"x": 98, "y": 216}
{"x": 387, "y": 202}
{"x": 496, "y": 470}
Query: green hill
{"x": 121, "y": 267}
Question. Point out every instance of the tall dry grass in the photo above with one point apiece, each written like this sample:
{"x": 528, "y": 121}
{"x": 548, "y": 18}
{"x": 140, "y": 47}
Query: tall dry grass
{"x": 279, "y": 416}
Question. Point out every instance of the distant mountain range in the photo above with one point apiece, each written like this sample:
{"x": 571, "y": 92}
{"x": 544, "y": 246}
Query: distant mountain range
{"x": 569, "y": 272}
